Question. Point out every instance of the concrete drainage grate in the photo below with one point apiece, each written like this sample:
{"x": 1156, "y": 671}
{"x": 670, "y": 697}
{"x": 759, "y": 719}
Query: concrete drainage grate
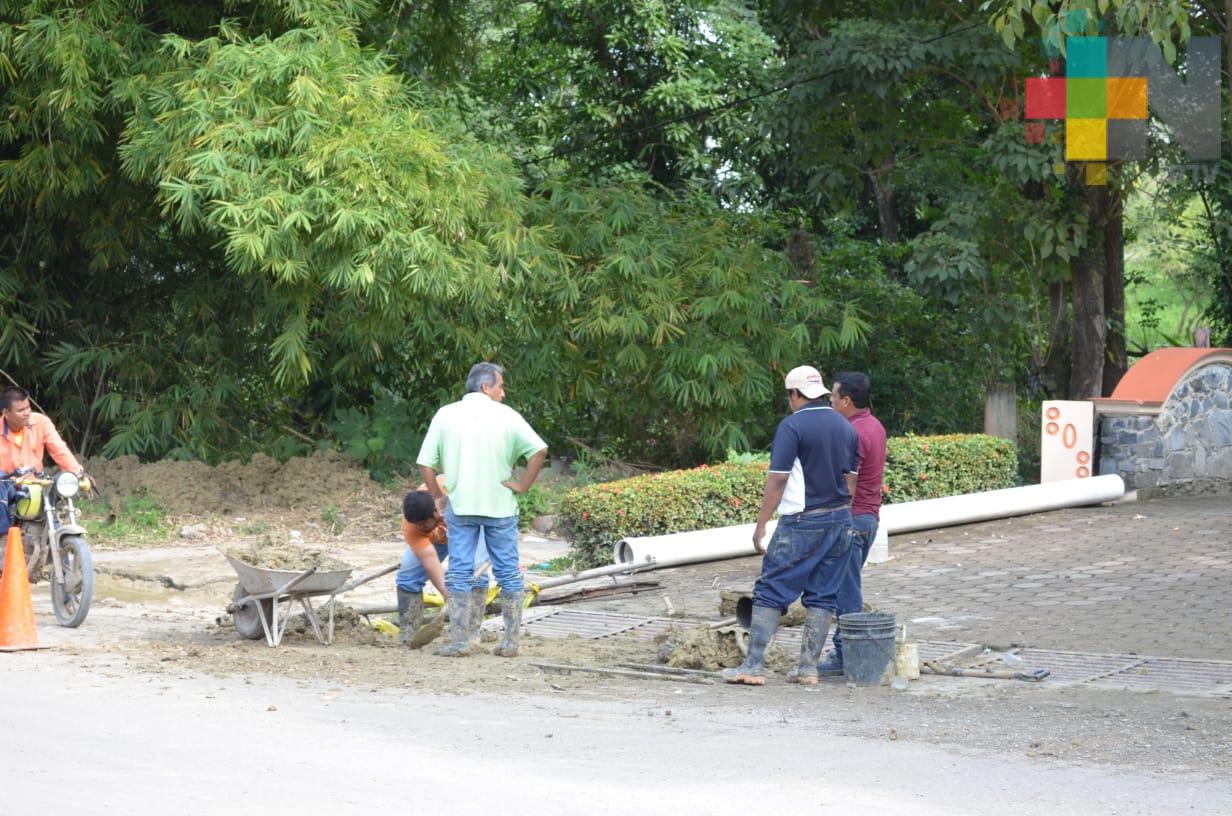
{"x": 1139, "y": 672}
{"x": 559, "y": 623}
{"x": 1142, "y": 672}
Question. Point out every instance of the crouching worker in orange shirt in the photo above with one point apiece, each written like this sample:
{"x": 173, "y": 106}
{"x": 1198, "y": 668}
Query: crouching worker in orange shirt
{"x": 427, "y": 545}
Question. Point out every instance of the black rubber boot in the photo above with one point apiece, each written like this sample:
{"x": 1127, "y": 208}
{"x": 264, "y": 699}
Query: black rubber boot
{"x": 479, "y": 603}
{"x": 832, "y": 665}
{"x": 459, "y": 624}
{"x": 410, "y": 614}
{"x": 812, "y": 640}
{"x": 762, "y": 626}
{"x": 511, "y": 613}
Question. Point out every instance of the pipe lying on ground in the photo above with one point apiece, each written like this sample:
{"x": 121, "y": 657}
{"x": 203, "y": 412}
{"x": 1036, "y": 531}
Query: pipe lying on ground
{"x": 994, "y": 504}
{"x": 693, "y": 547}
{"x": 733, "y": 542}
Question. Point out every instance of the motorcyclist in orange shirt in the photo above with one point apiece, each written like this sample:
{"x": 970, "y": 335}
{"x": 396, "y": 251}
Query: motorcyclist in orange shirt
{"x": 25, "y": 436}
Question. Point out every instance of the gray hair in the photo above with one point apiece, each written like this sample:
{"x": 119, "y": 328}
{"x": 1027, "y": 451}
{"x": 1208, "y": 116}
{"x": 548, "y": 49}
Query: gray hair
{"x": 482, "y": 374}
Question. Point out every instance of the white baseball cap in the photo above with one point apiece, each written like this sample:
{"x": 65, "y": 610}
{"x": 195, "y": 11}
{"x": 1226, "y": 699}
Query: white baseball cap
{"x": 807, "y": 380}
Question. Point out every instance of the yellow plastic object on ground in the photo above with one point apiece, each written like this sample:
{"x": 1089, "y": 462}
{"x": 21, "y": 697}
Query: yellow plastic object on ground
{"x": 383, "y": 626}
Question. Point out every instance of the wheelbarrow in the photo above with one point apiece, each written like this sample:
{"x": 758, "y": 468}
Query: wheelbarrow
{"x": 257, "y": 605}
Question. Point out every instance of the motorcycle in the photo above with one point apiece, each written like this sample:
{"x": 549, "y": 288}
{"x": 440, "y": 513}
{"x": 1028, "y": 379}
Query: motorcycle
{"x": 55, "y": 544}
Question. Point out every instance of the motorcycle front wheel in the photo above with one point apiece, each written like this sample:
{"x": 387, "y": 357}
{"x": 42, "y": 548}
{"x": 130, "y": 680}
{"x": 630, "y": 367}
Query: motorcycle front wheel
{"x": 71, "y": 600}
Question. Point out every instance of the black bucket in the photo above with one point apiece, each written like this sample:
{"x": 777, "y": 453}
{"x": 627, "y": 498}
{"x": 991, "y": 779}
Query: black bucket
{"x": 744, "y": 612}
{"x": 868, "y": 647}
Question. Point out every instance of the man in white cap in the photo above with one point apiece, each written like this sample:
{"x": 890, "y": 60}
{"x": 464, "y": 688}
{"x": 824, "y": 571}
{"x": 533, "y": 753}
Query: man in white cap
{"x": 814, "y": 450}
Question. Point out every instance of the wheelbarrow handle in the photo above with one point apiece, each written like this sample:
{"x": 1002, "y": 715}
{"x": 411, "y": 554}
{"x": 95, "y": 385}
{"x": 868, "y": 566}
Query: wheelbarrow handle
{"x": 372, "y": 576}
{"x": 294, "y": 582}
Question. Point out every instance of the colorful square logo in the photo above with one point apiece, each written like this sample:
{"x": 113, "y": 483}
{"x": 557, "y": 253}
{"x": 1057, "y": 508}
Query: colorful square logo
{"x": 1103, "y": 97}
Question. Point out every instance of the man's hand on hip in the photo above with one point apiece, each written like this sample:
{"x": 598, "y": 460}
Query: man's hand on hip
{"x": 759, "y": 533}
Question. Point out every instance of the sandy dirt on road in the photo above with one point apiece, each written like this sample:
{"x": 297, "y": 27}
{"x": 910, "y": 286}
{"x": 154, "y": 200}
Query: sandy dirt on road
{"x": 361, "y": 656}
{"x": 143, "y": 625}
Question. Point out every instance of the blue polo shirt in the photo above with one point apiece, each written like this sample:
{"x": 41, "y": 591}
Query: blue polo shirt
{"x": 816, "y": 446}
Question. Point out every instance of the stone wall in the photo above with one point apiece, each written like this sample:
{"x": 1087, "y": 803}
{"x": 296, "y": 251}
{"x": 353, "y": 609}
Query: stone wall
{"x": 1187, "y": 448}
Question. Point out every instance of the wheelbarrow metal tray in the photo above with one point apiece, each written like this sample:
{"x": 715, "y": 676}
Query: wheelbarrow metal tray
{"x": 259, "y": 581}
{"x": 269, "y": 589}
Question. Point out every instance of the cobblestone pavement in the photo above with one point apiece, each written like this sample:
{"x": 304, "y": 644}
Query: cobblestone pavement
{"x": 1148, "y": 577}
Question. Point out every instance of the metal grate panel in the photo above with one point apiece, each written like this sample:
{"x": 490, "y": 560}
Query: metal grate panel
{"x": 1139, "y": 672}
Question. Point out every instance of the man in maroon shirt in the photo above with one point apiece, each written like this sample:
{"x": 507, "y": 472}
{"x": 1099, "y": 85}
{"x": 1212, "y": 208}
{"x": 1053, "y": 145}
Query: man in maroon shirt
{"x": 850, "y": 398}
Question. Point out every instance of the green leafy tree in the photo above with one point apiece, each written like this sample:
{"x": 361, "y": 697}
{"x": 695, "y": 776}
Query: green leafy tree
{"x": 201, "y": 230}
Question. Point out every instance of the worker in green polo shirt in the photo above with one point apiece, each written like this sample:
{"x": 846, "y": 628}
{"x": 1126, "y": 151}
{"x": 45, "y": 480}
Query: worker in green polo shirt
{"x": 476, "y": 441}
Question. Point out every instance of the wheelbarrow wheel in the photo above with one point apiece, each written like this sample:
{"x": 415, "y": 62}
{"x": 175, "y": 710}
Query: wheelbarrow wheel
{"x": 246, "y": 615}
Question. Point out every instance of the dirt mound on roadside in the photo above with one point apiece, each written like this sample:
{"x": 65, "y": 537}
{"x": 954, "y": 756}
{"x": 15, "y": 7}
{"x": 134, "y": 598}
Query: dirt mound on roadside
{"x": 700, "y": 648}
{"x": 324, "y": 478}
{"x": 710, "y": 650}
{"x": 349, "y": 628}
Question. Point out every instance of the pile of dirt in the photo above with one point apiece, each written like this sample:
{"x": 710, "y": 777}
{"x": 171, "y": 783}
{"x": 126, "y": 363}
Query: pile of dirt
{"x": 707, "y": 649}
{"x": 349, "y": 628}
{"x": 325, "y": 478}
{"x": 268, "y": 554}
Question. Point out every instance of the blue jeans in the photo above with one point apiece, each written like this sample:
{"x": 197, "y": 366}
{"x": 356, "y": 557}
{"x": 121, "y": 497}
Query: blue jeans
{"x": 501, "y": 537}
{"x": 412, "y": 577}
{"x": 851, "y": 593}
{"x": 805, "y": 560}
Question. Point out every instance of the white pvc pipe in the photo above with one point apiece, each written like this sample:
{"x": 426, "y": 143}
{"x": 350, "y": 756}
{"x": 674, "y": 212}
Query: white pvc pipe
{"x": 929, "y": 514}
{"x": 733, "y": 542}
{"x": 694, "y": 547}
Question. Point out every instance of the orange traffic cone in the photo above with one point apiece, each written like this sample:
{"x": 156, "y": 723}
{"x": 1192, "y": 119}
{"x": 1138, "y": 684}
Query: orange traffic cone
{"x": 17, "y": 630}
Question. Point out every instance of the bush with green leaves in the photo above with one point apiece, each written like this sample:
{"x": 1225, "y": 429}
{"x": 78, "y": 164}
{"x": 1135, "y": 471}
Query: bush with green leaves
{"x": 385, "y": 437}
{"x": 594, "y": 517}
{"x": 930, "y": 467}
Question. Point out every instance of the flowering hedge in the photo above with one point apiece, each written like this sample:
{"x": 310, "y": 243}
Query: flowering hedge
{"x": 917, "y": 467}
{"x": 598, "y": 515}
{"x": 929, "y": 467}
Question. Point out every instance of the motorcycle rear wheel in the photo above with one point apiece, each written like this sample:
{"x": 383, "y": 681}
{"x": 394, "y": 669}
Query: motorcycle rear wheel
{"x": 71, "y": 600}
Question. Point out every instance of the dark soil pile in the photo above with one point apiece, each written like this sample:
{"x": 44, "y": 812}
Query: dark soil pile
{"x": 186, "y": 488}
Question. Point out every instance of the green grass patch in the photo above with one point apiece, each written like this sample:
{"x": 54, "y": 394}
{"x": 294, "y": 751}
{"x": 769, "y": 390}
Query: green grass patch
{"x": 559, "y": 565}
{"x": 139, "y": 520}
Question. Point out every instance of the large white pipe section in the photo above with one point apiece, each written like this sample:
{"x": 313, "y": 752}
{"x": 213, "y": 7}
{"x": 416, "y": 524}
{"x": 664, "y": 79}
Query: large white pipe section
{"x": 928, "y": 514}
{"x": 694, "y": 547}
{"x": 732, "y": 542}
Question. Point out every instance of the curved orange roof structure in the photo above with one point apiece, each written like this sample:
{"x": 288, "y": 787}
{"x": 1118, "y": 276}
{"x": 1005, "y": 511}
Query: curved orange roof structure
{"x": 1149, "y": 382}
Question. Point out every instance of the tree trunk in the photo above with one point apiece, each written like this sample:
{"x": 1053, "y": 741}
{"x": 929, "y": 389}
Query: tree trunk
{"x": 1116, "y": 361}
{"x": 1086, "y": 378}
{"x": 887, "y": 212}
{"x": 1055, "y": 368}
{"x": 1001, "y": 411}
